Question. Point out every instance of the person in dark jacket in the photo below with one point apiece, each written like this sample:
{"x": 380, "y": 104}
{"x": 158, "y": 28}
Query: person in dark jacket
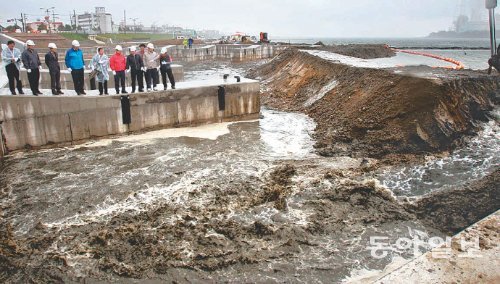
{"x": 166, "y": 68}
{"x": 190, "y": 42}
{"x": 135, "y": 65}
{"x": 32, "y": 64}
{"x": 52, "y": 61}
{"x": 494, "y": 61}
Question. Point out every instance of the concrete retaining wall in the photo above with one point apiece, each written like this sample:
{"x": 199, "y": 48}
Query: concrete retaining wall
{"x": 67, "y": 80}
{"x": 224, "y": 51}
{"x": 38, "y": 121}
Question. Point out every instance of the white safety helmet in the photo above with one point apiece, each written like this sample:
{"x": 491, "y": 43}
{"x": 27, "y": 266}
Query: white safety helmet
{"x": 75, "y": 43}
{"x": 150, "y": 45}
{"x": 52, "y": 45}
{"x": 164, "y": 50}
{"x": 119, "y": 48}
{"x": 30, "y": 43}
{"x": 133, "y": 48}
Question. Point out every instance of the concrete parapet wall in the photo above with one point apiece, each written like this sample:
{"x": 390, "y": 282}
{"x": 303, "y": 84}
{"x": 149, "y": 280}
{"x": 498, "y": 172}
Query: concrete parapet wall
{"x": 29, "y": 121}
{"x": 224, "y": 51}
{"x": 67, "y": 80}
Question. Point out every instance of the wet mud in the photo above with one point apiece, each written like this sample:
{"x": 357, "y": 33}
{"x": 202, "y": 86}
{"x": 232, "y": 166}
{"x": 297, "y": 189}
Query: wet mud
{"x": 379, "y": 112}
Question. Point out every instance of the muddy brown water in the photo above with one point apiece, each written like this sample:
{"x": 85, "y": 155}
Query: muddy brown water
{"x": 242, "y": 202}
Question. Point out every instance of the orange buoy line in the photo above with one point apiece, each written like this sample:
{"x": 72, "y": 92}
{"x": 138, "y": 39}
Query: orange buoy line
{"x": 458, "y": 65}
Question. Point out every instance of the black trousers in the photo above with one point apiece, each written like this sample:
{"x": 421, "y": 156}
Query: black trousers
{"x": 152, "y": 78}
{"x": 120, "y": 79}
{"x": 13, "y": 75}
{"x": 78, "y": 80}
{"x": 34, "y": 79}
{"x": 55, "y": 79}
{"x": 164, "y": 74}
{"x": 136, "y": 76}
{"x": 103, "y": 88}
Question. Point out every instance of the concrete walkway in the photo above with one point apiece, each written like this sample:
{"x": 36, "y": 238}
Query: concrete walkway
{"x": 467, "y": 261}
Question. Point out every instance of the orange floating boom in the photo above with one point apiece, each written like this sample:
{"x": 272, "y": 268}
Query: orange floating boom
{"x": 458, "y": 64}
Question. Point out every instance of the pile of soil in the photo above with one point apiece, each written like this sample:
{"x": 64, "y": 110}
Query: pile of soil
{"x": 364, "y": 51}
{"x": 377, "y": 112}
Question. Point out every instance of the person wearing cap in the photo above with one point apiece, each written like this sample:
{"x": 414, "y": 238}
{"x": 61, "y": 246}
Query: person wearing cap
{"x": 166, "y": 68}
{"x": 31, "y": 62}
{"x": 135, "y": 65}
{"x": 52, "y": 61}
{"x": 152, "y": 65}
{"x": 100, "y": 62}
{"x": 11, "y": 59}
{"x": 76, "y": 65}
{"x": 118, "y": 64}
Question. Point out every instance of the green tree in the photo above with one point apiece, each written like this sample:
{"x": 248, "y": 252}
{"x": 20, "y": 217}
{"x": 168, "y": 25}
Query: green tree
{"x": 12, "y": 28}
{"x": 42, "y": 27}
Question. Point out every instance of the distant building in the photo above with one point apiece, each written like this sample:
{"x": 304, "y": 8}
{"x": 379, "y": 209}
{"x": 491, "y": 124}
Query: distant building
{"x": 463, "y": 24}
{"x": 98, "y": 22}
{"x": 210, "y": 34}
{"x": 473, "y": 16}
{"x": 53, "y": 26}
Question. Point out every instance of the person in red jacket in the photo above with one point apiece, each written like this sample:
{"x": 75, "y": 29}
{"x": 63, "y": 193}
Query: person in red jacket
{"x": 118, "y": 64}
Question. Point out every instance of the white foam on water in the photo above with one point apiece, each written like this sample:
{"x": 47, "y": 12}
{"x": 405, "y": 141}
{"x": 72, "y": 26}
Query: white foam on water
{"x": 287, "y": 135}
{"x": 477, "y": 159}
{"x": 137, "y": 202}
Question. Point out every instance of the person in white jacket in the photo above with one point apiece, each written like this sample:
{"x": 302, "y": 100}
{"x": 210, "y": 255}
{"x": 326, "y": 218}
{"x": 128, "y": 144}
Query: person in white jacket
{"x": 100, "y": 62}
{"x": 11, "y": 60}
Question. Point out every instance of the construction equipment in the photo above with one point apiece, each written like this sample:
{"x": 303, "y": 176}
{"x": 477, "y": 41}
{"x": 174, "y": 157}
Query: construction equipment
{"x": 264, "y": 38}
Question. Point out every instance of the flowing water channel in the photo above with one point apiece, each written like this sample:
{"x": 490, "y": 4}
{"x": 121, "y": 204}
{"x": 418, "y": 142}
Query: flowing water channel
{"x": 93, "y": 183}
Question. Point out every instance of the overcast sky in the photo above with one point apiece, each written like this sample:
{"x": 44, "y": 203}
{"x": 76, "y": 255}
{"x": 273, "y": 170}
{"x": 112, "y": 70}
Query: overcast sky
{"x": 287, "y": 18}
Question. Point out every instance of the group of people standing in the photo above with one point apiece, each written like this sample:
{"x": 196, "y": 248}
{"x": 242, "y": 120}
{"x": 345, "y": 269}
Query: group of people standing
{"x": 144, "y": 63}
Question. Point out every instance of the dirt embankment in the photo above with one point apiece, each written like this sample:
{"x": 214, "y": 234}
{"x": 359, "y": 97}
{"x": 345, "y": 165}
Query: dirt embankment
{"x": 364, "y": 51}
{"x": 377, "y": 112}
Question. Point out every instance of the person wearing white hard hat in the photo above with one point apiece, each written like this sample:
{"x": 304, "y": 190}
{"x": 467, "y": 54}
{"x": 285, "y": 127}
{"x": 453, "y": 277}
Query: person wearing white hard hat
{"x": 52, "y": 62}
{"x": 100, "y": 62}
{"x": 166, "y": 68}
{"x": 76, "y": 65}
{"x": 141, "y": 52}
{"x": 32, "y": 64}
{"x": 152, "y": 64}
{"x": 118, "y": 64}
{"x": 11, "y": 59}
{"x": 135, "y": 65}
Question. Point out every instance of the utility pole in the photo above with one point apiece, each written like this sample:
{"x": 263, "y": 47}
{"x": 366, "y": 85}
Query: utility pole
{"x": 47, "y": 17}
{"x": 125, "y": 21}
{"x": 23, "y": 22}
{"x": 76, "y": 21}
{"x": 491, "y": 5}
{"x": 134, "y": 20}
{"x": 54, "y": 18}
